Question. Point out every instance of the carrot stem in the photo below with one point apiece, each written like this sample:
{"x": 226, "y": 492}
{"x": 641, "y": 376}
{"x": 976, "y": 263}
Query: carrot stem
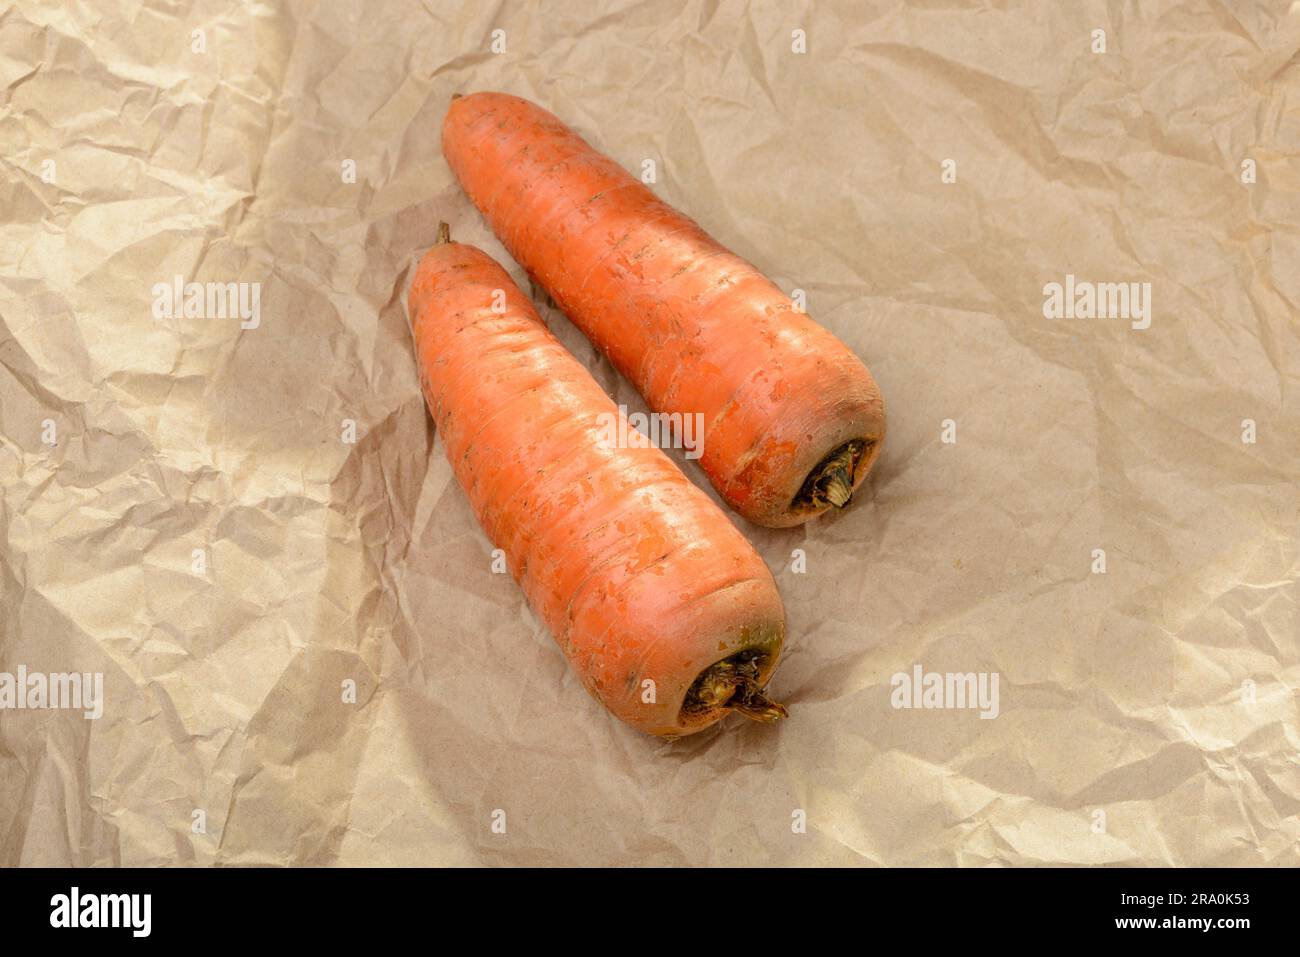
{"x": 751, "y": 701}
{"x": 831, "y": 480}
{"x": 839, "y": 487}
{"x": 732, "y": 684}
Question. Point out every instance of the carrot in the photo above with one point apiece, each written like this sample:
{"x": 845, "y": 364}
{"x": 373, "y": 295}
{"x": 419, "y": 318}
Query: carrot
{"x": 664, "y": 610}
{"x": 792, "y": 420}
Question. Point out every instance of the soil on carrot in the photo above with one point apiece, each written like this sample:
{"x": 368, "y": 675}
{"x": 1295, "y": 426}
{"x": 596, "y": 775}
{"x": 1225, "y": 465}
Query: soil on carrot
{"x": 830, "y": 483}
{"x": 732, "y": 683}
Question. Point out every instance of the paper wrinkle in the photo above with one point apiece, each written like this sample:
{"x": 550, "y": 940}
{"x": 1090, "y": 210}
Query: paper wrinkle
{"x": 1160, "y": 694}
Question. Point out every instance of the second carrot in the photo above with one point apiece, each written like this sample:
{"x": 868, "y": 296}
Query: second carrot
{"x": 666, "y": 613}
{"x": 792, "y": 420}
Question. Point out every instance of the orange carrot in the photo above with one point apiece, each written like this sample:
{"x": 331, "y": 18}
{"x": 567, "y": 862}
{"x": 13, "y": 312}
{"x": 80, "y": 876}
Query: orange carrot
{"x": 664, "y": 610}
{"x": 792, "y": 419}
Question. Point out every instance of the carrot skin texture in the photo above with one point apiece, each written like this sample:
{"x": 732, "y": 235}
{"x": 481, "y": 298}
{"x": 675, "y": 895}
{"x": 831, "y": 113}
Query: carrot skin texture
{"x": 694, "y": 327}
{"x": 635, "y": 572}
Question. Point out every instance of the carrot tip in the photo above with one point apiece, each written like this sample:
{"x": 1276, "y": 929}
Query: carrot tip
{"x": 444, "y": 234}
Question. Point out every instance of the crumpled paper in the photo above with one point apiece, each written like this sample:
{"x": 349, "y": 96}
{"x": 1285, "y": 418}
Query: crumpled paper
{"x": 251, "y": 532}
